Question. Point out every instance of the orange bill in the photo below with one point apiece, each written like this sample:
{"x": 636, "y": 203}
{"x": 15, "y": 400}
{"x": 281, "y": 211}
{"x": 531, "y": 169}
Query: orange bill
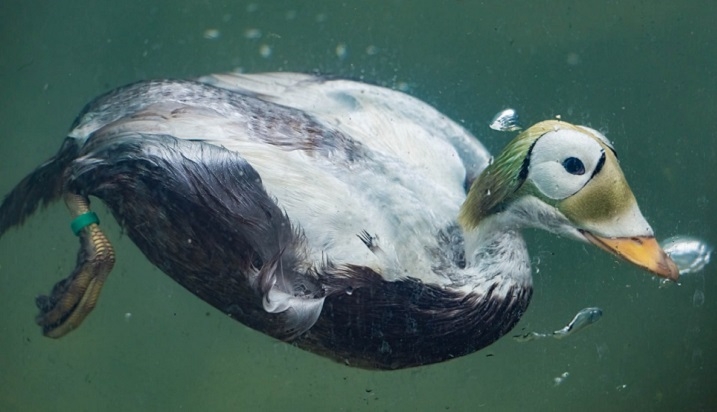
{"x": 644, "y": 251}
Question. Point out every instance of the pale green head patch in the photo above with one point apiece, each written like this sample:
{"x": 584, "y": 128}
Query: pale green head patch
{"x": 500, "y": 181}
{"x": 589, "y": 190}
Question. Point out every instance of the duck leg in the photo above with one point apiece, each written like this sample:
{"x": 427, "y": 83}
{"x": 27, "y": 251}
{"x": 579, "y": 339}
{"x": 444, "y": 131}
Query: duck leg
{"x": 74, "y": 297}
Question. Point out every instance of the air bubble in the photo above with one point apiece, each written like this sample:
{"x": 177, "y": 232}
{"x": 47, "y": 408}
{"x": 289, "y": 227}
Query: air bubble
{"x": 698, "y": 298}
{"x": 690, "y": 254}
{"x": 265, "y": 51}
{"x": 342, "y": 51}
{"x": 252, "y": 33}
{"x": 558, "y": 380}
{"x": 505, "y": 121}
{"x": 212, "y": 34}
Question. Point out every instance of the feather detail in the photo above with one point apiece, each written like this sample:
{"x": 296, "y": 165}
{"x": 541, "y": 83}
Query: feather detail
{"x": 279, "y": 296}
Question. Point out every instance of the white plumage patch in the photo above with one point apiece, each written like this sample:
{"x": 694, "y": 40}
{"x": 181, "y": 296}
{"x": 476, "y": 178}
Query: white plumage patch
{"x": 547, "y": 170}
{"x": 406, "y": 185}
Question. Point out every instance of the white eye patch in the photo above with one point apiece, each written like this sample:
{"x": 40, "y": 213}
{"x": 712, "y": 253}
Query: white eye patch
{"x": 562, "y": 162}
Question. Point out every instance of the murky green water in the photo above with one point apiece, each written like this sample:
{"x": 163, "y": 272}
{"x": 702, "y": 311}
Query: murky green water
{"x": 644, "y": 72}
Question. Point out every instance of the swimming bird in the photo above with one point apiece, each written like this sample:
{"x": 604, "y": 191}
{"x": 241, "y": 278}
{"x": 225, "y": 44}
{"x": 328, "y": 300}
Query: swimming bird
{"x": 350, "y": 220}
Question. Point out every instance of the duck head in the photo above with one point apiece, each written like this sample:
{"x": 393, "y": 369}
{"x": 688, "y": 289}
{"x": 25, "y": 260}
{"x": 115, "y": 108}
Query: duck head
{"x": 566, "y": 179}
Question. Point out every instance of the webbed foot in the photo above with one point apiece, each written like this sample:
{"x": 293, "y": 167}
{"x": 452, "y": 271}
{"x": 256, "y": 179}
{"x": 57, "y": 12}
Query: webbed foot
{"x": 74, "y": 297}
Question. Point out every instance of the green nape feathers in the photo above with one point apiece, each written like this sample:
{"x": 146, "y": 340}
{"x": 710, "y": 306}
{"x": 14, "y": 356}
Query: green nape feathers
{"x": 502, "y": 180}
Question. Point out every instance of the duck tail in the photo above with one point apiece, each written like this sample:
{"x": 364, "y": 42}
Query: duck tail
{"x": 41, "y": 187}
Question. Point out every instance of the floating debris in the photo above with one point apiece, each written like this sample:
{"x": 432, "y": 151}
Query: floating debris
{"x": 690, "y": 254}
{"x": 505, "y": 121}
{"x": 582, "y": 319}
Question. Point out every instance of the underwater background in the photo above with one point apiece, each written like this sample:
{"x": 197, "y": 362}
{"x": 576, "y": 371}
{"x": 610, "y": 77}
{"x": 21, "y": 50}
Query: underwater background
{"x": 644, "y": 73}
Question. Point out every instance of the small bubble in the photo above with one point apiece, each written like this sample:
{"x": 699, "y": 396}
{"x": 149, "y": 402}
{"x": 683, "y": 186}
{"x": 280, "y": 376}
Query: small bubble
{"x": 252, "y": 33}
{"x": 341, "y": 51}
{"x": 211, "y": 34}
{"x": 698, "y": 298}
{"x": 127, "y": 316}
{"x": 265, "y": 51}
{"x": 558, "y": 380}
{"x": 665, "y": 283}
{"x": 573, "y": 59}
{"x": 290, "y": 15}
{"x": 371, "y": 50}
{"x": 505, "y": 121}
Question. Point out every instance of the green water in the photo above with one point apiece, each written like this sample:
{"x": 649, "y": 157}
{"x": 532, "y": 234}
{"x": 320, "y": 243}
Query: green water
{"x": 643, "y": 72}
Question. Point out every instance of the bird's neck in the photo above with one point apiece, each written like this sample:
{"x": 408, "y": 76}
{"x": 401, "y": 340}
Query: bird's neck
{"x": 496, "y": 249}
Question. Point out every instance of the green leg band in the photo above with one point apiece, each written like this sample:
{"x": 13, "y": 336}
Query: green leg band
{"x": 82, "y": 221}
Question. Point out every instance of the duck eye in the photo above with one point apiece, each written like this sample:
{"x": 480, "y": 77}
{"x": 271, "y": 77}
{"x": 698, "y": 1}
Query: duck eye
{"x": 574, "y": 166}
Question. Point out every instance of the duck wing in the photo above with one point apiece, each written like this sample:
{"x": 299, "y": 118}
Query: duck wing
{"x": 365, "y": 112}
{"x": 201, "y": 214}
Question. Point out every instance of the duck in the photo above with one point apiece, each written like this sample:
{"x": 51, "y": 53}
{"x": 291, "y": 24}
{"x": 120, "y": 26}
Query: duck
{"x": 348, "y": 219}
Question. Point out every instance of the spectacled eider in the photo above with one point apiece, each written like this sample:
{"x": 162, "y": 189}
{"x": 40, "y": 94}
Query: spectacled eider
{"x": 353, "y": 221}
